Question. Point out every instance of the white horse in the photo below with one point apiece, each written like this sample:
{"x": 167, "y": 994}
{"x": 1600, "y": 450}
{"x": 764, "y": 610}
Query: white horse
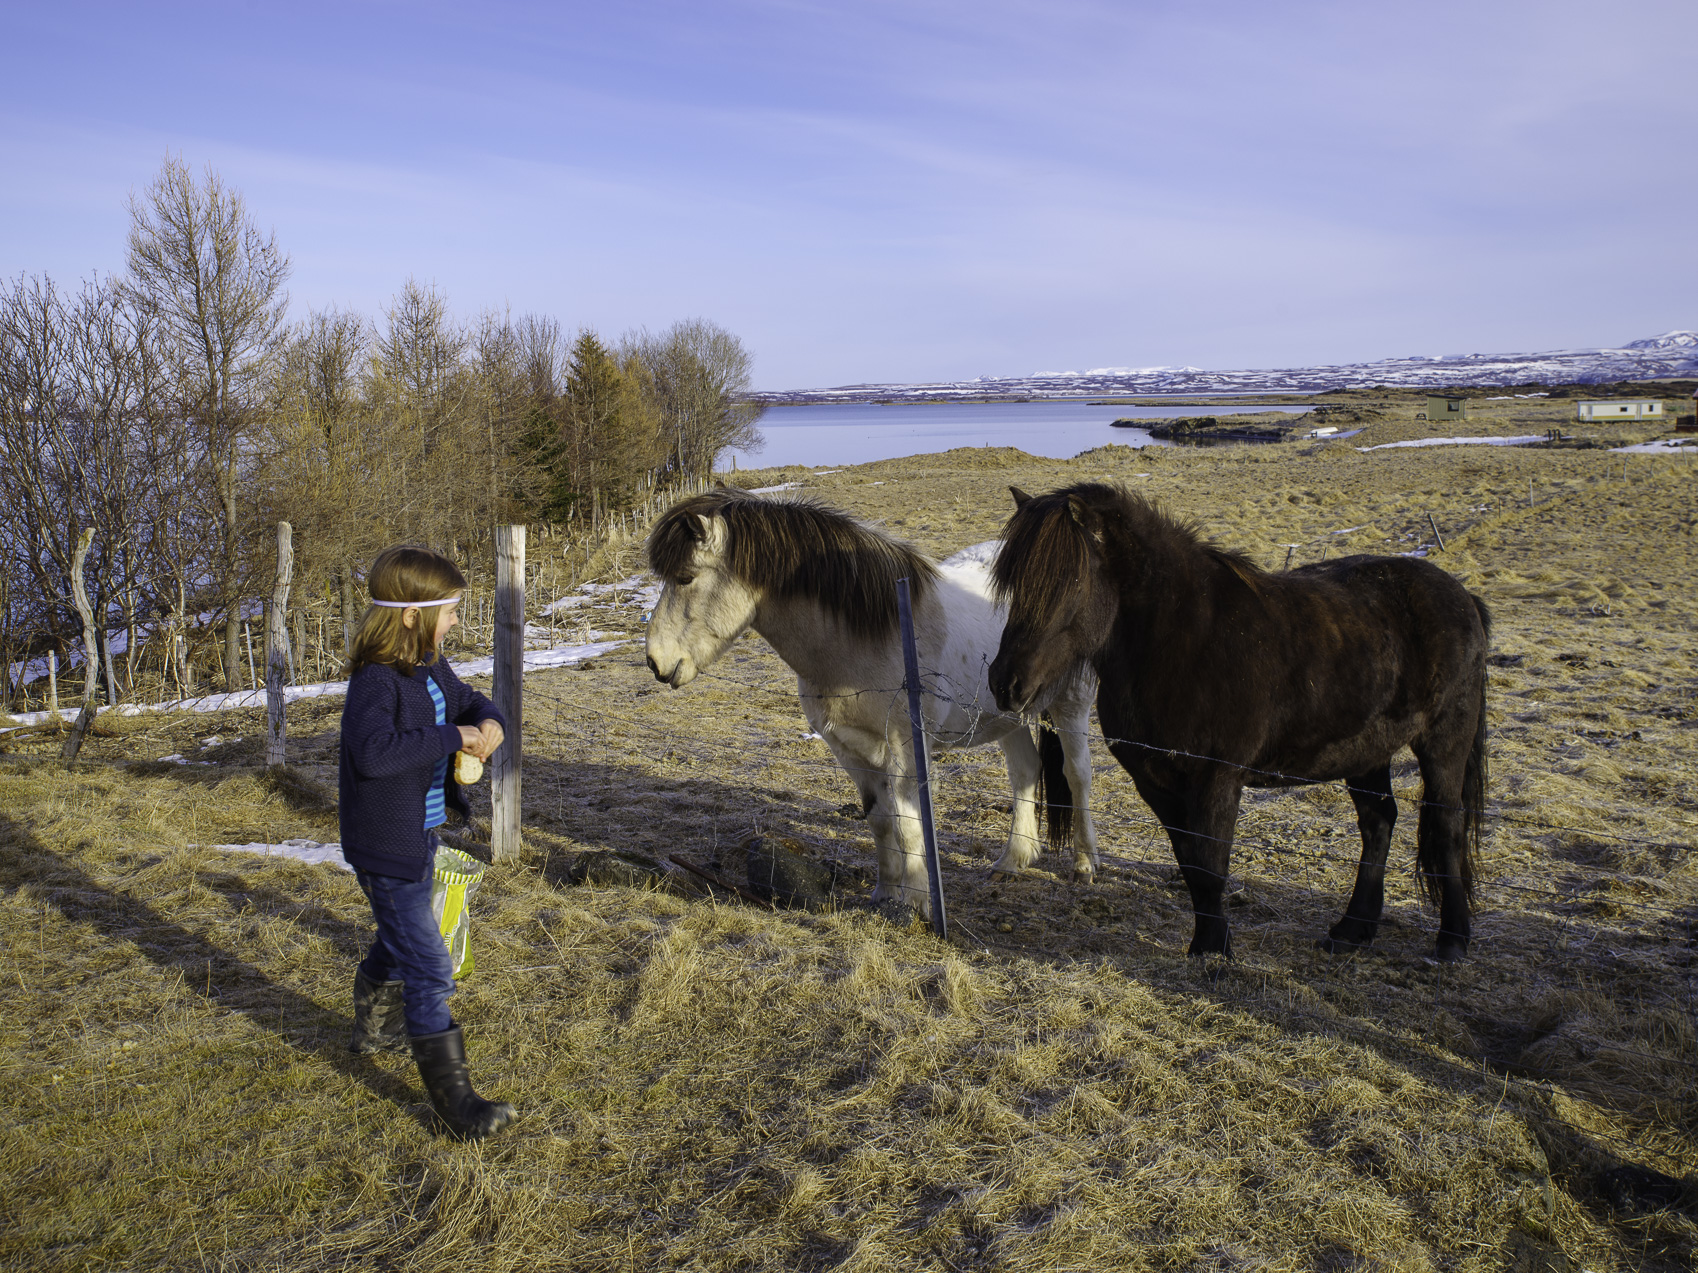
{"x": 821, "y": 588}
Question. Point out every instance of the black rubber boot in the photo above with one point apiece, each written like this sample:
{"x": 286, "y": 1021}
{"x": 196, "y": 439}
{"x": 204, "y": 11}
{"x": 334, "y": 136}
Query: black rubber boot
{"x": 379, "y": 1023}
{"x": 442, "y": 1066}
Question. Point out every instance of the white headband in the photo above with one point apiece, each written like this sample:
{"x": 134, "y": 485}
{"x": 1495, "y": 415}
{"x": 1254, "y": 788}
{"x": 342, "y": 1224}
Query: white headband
{"x": 408, "y": 605}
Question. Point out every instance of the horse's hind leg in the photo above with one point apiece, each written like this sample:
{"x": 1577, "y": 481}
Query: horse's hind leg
{"x": 1022, "y": 848}
{"x": 1442, "y": 859}
{"x": 1376, "y": 815}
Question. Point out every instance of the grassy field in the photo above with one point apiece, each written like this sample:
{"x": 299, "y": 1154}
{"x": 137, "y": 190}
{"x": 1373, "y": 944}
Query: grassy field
{"x": 707, "y": 1084}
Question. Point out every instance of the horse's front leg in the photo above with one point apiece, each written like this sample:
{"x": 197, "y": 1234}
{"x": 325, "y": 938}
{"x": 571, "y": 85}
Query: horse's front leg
{"x": 1022, "y": 848}
{"x": 1376, "y": 815}
{"x": 894, "y": 815}
{"x": 889, "y": 798}
{"x": 892, "y": 803}
{"x": 1075, "y": 738}
{"x": 1200, "y": 822}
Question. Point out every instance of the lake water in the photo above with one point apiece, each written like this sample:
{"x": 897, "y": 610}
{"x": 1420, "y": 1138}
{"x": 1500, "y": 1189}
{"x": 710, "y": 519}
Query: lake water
{"x": 856, "y": 433}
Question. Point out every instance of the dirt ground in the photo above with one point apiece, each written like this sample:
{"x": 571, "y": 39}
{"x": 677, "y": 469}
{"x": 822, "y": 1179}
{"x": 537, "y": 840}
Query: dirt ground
{"x": 710, "y": 1084}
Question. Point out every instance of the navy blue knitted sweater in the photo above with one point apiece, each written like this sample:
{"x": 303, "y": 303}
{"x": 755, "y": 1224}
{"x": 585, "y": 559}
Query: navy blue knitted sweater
{"x": 390, "y": 745}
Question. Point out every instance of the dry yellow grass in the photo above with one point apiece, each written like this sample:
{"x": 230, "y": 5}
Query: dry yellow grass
{"x": 707, "y": 1085}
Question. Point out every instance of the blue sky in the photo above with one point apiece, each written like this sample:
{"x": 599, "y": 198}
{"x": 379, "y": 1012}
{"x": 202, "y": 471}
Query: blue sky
{"x": 872, "y": 191}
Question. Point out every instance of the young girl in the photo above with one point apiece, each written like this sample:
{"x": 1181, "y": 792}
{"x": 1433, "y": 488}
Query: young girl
{"x": 405, "y": 716}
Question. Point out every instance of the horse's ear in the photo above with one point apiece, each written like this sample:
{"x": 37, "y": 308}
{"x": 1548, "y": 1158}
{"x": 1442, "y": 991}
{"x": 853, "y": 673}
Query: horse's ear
{"x": 1021, "y": 499}
{"x": 711, "y": 532}
{"x": 1084, "y": 518}
{"x": 719, "y": 485}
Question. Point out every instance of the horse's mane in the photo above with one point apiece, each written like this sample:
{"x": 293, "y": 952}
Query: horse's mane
{"x": 1046, "y": 544}
{"x": 798, "y": 548}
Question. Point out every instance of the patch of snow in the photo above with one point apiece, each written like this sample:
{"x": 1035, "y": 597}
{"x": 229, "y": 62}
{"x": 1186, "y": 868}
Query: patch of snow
{"x": 768, "y": 490}
{"x": 559, "y": 656}
{"x": 1669, "y": 355}
{"x": 980, "y": 555}
{"x": 1667, "y": 341}
{"x": 565, "y": 603}
{"x": 300, "y": 850}
{"x": 1658, "y": 446}
{"x": 1515, "y": 441}
{"x": 644, "y": 589}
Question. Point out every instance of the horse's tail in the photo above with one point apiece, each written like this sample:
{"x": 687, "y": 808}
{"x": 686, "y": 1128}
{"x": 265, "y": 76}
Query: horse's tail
{"x": 1055, "y": 793}
{"x": 1474, "y": 777}
{"x": 1429, "y": 863}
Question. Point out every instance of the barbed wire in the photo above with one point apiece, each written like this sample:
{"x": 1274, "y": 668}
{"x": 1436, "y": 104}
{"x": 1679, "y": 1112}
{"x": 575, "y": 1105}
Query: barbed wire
{"x": 716, "y": 752}
{"x": 1285, "y": 779}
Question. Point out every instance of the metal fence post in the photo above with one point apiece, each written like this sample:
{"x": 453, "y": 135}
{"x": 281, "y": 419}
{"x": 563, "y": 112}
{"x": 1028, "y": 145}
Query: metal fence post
{"x": 922, "y": 765}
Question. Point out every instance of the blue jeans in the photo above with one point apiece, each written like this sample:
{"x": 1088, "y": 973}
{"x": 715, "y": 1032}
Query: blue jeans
{"x": 409, "y": 948}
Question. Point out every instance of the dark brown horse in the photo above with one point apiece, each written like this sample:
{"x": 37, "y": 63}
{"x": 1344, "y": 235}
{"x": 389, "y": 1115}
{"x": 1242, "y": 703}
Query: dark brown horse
{"x": 1217, "y": 675}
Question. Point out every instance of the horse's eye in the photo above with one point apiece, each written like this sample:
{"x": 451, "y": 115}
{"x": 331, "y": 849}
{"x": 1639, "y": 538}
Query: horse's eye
{"x": 684, "y": 581}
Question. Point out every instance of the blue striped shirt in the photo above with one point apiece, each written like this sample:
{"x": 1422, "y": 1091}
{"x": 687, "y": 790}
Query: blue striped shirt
{"x": 436, "y": 811}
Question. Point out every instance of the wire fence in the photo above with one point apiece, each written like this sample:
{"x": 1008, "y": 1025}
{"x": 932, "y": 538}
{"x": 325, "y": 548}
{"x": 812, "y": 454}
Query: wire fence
{"x": 736, "y": 758}
{"x": 603, "y": 727}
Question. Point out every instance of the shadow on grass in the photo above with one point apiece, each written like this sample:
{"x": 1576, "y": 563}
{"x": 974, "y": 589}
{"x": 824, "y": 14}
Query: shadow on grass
{"x": 206, "y": 969}
{"x": 1384, "y": 999}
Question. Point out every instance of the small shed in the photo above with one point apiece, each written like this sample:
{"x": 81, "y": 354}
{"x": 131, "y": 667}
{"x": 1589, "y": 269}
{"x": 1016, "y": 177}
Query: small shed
{"x": 1688, "y": 423}
{"x": 1606, "y": 409}
{"x": 1447, "y": 408}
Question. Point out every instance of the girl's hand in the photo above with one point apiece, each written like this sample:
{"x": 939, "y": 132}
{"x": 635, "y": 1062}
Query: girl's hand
{"x": 472, "y": 742}
{"x": 493, "y": 735}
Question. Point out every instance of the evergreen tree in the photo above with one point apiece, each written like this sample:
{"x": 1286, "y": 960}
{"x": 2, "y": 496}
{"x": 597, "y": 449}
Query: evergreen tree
{"x": 601, "y": 440}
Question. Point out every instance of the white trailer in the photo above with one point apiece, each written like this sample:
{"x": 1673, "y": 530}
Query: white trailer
{"x": 1607, "y": 409}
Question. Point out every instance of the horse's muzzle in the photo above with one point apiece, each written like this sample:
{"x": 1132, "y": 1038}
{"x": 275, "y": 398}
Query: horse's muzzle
{"x": 675, "y": 677}
{"x": 1005, "y": 685}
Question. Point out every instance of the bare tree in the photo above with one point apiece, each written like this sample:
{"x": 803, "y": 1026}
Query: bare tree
{"x": 73, "y": 409}
{"x": 700, "y": 380}
{"x": 213, "y": 281}
{"x": 321, "y": 466}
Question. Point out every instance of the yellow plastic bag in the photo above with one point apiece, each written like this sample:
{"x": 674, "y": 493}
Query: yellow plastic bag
{"x": 455, "y": 879}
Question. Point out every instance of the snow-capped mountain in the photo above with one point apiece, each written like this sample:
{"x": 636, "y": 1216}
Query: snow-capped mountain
{"x": 1671, "y": 354}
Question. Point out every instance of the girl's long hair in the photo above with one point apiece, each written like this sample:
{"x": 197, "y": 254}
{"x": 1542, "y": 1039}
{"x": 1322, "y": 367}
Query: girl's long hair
{"x": 404, "y": 573}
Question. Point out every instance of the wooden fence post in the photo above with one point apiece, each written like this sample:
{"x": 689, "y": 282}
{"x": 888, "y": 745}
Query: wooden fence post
{"x": 91, "y": 651}
{"x": 509, "y": 648}
{"x": 277, "y": 647}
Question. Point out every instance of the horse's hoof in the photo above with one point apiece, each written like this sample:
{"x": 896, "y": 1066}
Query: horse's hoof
{"x": 1450, "y": 953}
{"x": 898, "y": 912}
{"x": 1212, "y": 964}
{"x": 1335, "y": 948}
{"x": 1341, "y": 946}
{"x": 1001, "y": 877}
